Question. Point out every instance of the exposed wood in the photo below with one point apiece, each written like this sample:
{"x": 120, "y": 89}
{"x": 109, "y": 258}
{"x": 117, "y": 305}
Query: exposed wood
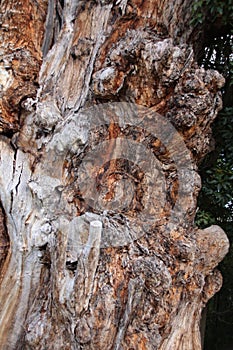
{"x": 99, "y": 199}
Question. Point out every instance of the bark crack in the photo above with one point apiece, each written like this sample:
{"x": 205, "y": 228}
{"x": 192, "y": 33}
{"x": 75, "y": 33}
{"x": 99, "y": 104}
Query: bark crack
{"x": 4, "y": 237}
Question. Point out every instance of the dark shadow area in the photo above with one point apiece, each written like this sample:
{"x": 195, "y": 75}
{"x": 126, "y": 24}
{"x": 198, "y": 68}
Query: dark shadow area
{"x": 215, "y": 203}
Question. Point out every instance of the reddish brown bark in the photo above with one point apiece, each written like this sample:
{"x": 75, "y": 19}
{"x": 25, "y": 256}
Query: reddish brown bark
{"x": 22, "y": 29}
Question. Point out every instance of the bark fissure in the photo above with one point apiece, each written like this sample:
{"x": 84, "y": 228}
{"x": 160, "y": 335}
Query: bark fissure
{"x": 4, "y": 239}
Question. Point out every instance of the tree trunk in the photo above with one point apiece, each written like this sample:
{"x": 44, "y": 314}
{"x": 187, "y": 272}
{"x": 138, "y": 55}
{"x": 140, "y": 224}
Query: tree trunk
{"x": 104, "y": 118}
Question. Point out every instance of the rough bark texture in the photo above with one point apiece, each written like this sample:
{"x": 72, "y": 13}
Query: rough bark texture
{"x": 80, "y": 275}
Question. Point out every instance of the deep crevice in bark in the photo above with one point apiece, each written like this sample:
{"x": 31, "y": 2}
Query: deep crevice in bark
{"x": 4, "y": 238}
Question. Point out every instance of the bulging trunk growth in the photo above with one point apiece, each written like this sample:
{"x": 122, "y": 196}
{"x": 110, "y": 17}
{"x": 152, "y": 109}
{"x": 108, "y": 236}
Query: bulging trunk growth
{"x": 104, "y": 117}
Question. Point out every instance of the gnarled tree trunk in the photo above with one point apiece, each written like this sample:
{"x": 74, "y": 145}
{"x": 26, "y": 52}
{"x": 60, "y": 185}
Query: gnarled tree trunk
{"x": 104, "y": 118}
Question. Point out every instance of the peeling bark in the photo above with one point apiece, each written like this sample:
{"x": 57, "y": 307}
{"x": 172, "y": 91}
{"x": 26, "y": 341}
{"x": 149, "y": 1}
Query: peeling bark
{"x": 98, "y": 199}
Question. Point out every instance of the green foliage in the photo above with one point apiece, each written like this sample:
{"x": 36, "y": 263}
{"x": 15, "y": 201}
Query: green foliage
{"x": 214, "y": 9}
{"x": 204, "y": 218}
{"x": 216, "y": 198}
{"x": 215, "y": 18}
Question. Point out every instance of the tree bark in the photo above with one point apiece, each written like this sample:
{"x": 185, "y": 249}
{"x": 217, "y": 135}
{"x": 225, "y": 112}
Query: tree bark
{"x": 105, "y": 116}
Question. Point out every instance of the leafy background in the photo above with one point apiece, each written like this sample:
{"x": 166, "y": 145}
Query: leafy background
{"x": 215, "y": 204}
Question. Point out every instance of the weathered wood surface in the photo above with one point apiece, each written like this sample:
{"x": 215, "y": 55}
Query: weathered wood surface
{"x": 98, "y": 273}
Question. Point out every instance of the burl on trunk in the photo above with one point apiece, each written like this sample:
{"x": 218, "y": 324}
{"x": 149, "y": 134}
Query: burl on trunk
{"x": 105, "y": 116}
